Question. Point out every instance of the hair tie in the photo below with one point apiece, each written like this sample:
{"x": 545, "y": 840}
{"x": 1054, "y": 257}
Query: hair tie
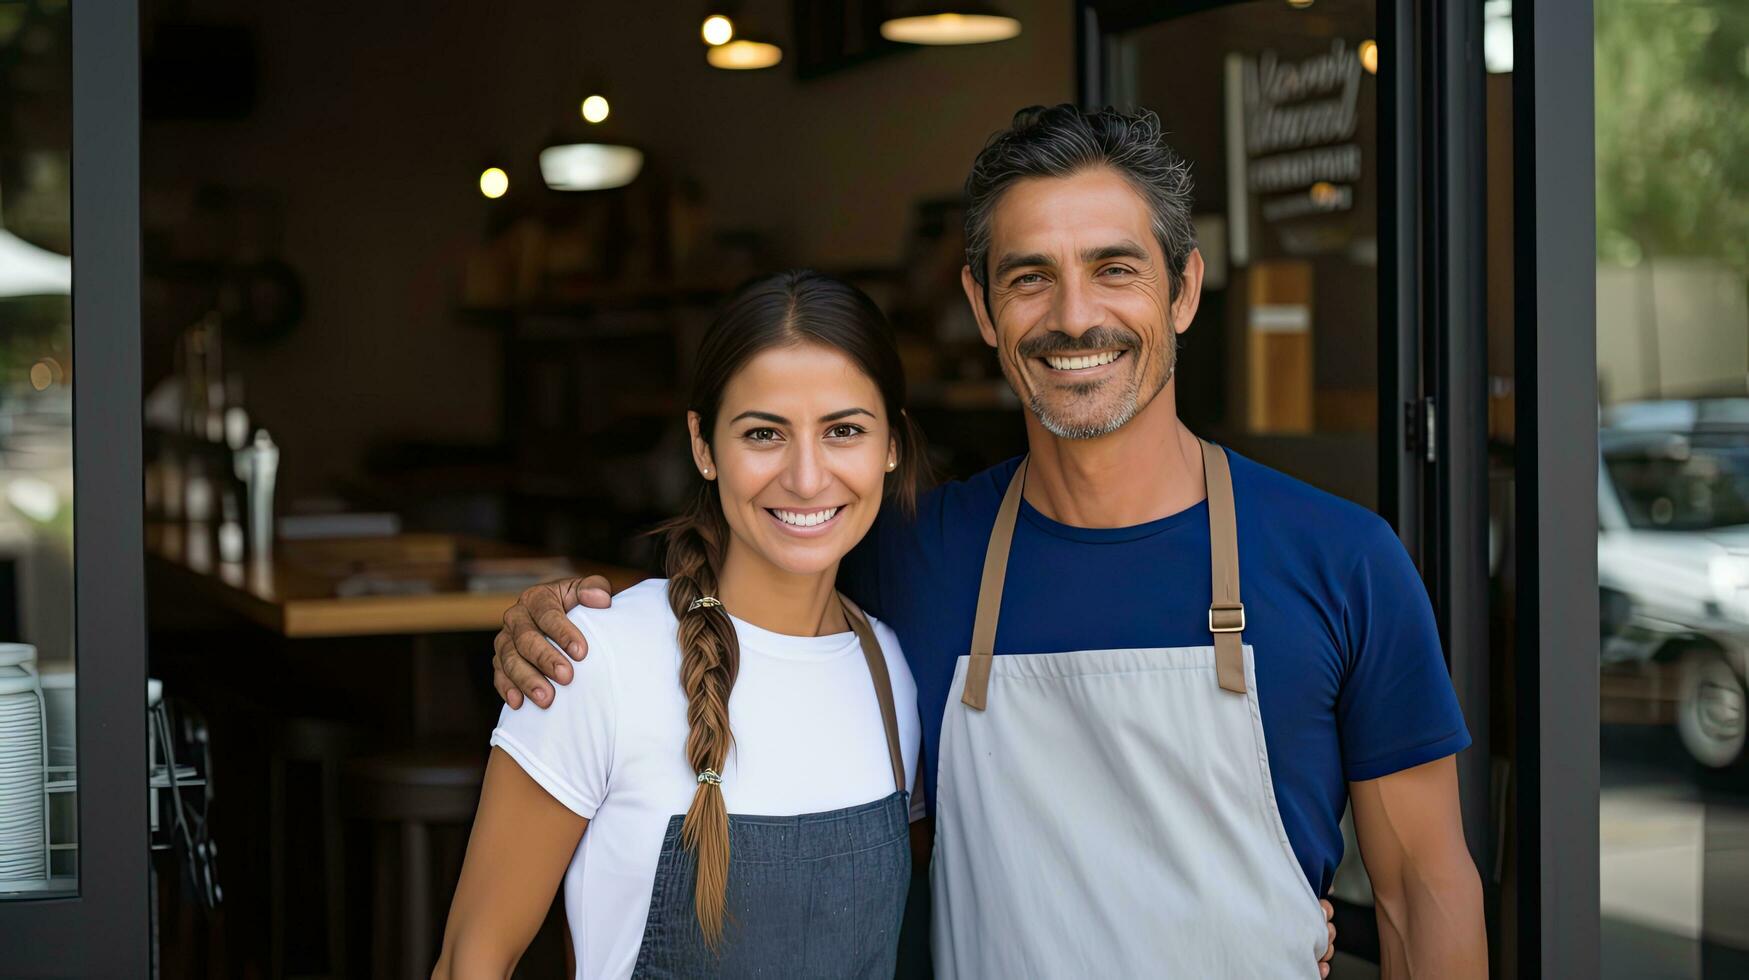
{"x": 710, "y": 776}
{"x": 705, "y": 602}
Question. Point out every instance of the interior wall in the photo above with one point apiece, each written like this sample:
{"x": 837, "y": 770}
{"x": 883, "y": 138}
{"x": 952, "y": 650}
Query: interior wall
{"x": 373, "y": 122}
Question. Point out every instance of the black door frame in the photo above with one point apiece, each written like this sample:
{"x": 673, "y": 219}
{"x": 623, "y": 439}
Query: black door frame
{"x": 1433, "y": 424}
{"x": 1555, "y": 356}
{"x": 105, "y": 931}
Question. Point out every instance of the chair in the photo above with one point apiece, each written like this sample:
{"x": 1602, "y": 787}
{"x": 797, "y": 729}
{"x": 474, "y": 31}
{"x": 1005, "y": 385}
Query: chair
{"x": 323, "y": 745}
{"x": 407, "y": 794}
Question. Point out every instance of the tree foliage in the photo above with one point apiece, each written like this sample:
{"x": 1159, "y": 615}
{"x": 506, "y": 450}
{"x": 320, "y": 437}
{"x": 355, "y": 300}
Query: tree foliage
{"x": 1673, "y": 129}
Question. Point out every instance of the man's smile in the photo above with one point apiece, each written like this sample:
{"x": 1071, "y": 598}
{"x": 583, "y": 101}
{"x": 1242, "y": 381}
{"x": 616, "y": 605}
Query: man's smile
{"x": 1081, "y": 362}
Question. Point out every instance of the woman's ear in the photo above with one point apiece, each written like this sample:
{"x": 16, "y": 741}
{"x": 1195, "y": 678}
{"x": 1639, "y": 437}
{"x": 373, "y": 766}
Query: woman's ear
{"x": 892, "y": 455}
{"x": 701, "y": 449}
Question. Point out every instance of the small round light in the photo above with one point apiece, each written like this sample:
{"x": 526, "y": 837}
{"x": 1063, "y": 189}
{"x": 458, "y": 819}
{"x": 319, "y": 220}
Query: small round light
{"x": 717, "y": 30}
{"x": 1324, "y": 193}
{"x": 1369, "y": 56}
{"x": 1299, "y": 4}
{"x": 744, "y": 55}
{"x": 494, "y": 182}
{"x": 595, "y": 108}
{"x": 42, "y": 375}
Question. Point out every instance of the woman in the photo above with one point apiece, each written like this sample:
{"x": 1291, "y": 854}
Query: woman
{"x": 743, "y": 691}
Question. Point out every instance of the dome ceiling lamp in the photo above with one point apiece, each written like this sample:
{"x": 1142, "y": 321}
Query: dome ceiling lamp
{"x": 578, "y": 158}
{"x": 730, "y": 45}
{"x": 589, "y": 166}
{"x": 950, "y": 23}
{"x": 744, "y": 54}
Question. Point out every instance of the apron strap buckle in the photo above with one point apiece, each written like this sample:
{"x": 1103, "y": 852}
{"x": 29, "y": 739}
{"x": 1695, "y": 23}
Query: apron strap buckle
{"x": 1225, "y": 618}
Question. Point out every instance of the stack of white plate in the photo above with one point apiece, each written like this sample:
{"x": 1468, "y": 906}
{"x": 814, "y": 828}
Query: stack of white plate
{"x": 23, "y": 840}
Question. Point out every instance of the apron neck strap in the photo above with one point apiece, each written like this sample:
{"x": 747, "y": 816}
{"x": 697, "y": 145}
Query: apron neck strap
{"x": 990, "y": 592}
{"x": 883, "y": 684}
{"x": 1226, "y": 612}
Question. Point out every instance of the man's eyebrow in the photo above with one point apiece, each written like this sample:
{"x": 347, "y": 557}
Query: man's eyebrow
{"x": 1125, "y": 249}
{"x": 761, "y": 416}
{"x": 1011, "y": 261}
{"x": 846, "y": 413}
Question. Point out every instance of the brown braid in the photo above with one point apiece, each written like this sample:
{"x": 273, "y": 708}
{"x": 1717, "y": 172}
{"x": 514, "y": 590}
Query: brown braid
{"x": 709, "y": 659}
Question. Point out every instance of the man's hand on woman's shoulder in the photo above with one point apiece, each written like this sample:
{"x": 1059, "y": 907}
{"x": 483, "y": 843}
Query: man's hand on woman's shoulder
{"x": 531, "y": 649}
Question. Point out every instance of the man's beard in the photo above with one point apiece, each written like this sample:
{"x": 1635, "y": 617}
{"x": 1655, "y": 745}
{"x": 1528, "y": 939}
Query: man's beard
{"x": 1130, "y": 401}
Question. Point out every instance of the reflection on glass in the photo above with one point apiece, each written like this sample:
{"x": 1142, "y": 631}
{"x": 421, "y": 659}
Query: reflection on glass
{"x": 38, "y": 836}
{"x": 1275, "y": 108}
{"x": 1673, "y": 485}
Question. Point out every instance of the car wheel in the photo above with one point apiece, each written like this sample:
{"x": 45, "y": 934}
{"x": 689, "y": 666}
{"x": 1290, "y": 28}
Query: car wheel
{"x": 1712, "y": 711}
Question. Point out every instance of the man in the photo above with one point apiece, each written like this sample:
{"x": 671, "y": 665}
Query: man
{"x": 1152, "y": 673}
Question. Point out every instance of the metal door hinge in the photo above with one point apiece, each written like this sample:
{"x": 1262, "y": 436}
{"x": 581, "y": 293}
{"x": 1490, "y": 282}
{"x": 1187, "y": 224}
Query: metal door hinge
{"x": 1431, "y": 440}
{"x": 1421, "y": 429}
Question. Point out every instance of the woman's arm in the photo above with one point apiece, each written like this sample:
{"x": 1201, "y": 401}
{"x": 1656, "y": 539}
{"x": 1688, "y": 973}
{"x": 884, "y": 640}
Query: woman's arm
{"x": 521, "y": 844}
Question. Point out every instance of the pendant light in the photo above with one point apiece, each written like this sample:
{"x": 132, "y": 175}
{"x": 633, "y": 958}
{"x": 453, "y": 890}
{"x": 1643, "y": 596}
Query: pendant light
{"x": 731, "y": 45}
{"x": 744, "y": 54}
{"x": 950, "y": 23}
{"x": 27, "y": 270}
{"x": 577, "y": 160}
{"x": 589, "y": 166}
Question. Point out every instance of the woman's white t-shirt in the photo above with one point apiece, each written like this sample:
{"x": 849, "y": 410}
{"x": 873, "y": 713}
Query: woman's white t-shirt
{"x": 808, "y": 738}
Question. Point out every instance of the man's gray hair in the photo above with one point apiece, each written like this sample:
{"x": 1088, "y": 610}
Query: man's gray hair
{"x": 1063, "y": 140}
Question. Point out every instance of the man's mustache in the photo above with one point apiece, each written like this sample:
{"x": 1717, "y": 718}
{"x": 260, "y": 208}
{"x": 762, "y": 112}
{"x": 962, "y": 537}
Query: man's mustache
{"x": 1095, "y": 339}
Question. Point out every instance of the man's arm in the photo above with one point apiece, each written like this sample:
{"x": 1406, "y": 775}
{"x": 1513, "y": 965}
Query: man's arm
{"x": 1427, "y": 892}
{"x": 523, "y": 657}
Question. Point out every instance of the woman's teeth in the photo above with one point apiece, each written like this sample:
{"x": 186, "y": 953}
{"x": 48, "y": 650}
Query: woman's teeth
{"x": 1082, "y": 362}
{"x": 805, "y": 520}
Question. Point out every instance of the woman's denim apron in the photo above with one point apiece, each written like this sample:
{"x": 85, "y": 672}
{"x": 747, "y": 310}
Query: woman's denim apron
{"x": 815, "y": 895}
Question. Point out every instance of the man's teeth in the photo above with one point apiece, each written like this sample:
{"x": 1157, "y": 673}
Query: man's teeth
{"x": 805, "y": 520}
{"x": 1083, "y": 362}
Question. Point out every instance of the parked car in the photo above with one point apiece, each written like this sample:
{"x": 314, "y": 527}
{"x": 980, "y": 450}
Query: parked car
{"x": 1673, "y": 570}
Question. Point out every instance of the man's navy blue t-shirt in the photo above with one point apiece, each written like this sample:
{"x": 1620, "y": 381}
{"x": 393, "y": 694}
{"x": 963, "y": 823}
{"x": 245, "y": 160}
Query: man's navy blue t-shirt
{"x": 1350, "y": 676}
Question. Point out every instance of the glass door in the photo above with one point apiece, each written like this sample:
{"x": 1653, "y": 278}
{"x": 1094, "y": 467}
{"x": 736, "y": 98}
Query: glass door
{"x": 1672, "y": 255}
{"x": 1336, "y": 148}
{"x": 73, "y": 764}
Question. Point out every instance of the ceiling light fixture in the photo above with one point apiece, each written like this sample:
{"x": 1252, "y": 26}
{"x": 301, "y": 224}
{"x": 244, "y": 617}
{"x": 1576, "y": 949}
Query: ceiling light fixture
{"x": 744, "y": 54}
{"x": 1369, "y": 56}
{"x": 951, "y": 23}
{"x": 717, "y": 29}
{"x": 589, "y": 166}
{"x": 494, "y": 182}
{"x": 27, "y": 270}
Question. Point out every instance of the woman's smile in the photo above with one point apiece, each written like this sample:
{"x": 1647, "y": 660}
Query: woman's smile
{"x": 808, "y": 522}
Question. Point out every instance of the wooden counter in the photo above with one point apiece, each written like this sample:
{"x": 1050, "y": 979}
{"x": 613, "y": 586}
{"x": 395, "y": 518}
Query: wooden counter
{"x": 406, "y": 584}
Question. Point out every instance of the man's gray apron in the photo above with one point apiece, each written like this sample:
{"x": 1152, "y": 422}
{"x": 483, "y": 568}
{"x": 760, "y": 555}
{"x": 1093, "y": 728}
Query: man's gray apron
{"x": 1111, "y": 813}
{"x": 816, "y": 895}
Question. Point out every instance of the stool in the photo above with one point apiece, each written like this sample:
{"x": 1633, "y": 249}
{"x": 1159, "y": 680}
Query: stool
{"x": 323, "y": 744}
{"x": 405, "y": 794}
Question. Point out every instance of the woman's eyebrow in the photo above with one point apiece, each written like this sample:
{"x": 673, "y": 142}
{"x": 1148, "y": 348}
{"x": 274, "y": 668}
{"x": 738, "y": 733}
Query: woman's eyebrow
{"x": 846, "y": 413}
{"x": 761, "y": 416}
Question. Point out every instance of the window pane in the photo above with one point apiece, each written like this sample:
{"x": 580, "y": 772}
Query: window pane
{"x": 38, "y": 836}
{"x": 1673, "y": 484}
{"x": 1274, "y": 105}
